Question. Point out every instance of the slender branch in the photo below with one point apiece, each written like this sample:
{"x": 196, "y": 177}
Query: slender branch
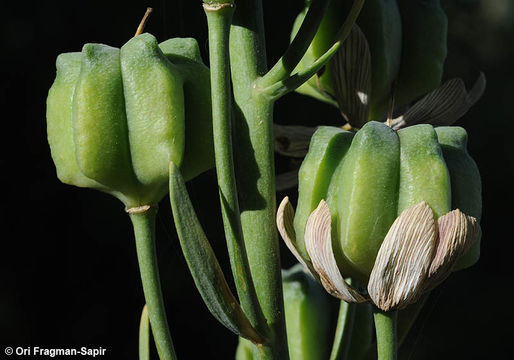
{"x": 344, "y": 331}
{"x": 144, "y": 335}
{"x": 219, "y": 18}
{"x": 281, "y": 88}
{"x": 144, "y": 231}
{"x": 385, "y": 326}
{"x": 286, "y": 84}
{"x": 296, "y": 50}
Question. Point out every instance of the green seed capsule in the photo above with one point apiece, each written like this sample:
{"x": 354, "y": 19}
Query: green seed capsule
{"x": 327, "y": 148}
{"x": 117, "y": 118}
{"x": 425, "y": 26}
{"x": 423, "y": 172}
{"x": 155, "y": 123}
{"x": 367, "y": 200}
{"x": 465, "y": 181}
{"x": 60, "y": 130}
{"x": 99, "y": 120}
{"x": 199, "y": 148}
{"x": 372, "y": 181}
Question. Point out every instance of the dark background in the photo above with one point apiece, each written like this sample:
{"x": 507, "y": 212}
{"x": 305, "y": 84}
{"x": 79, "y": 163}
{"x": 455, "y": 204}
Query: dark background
{"x": 68, "y": 270}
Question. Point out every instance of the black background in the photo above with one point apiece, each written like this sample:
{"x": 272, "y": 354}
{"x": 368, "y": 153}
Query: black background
{"x": 68, "y": 270}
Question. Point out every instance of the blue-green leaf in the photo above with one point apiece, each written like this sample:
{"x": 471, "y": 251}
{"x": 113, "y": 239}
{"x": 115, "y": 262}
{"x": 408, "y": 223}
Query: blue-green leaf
{"x": 202, "y": 262}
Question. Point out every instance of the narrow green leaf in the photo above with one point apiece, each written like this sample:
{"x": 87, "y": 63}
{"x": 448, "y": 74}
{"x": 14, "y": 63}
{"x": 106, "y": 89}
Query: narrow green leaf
{"x": 343, "y": 335}
{"x": 144, "y": 335}
{"x": 204, "y": 266}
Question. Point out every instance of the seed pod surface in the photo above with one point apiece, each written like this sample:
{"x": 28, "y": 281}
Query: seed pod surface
{"x": 465, "y": 181}
{"x": 328, "y": 146}
{"x": 423, "y": 172}
{"x": 367, "y": 200}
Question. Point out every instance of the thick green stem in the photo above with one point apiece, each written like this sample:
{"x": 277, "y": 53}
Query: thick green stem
{"x": 219, "y": 19}
{"x": 253, "y": 125}
{"x": 144, "y": 231}
{"x": 385, "y": 326}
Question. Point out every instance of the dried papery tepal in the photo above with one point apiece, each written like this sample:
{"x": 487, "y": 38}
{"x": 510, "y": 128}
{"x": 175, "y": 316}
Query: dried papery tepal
{"x": 384, "y": 207}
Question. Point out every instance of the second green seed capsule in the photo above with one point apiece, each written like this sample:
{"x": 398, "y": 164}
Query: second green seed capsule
{"x": 374, "y": 176}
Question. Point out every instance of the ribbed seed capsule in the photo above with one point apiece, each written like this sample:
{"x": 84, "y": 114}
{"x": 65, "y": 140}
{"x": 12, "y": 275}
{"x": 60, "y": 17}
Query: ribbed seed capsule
{"x": 60, "y": 130}
{"x": 184, "y": 53}
{"x": 154, "y": 104}
{"x": 465, "y": 182}
{"x": 99, "y": 120}
{"x": 327, "y": 148}
{"x": 367, "y": 201}
{"x": 117, "y": 118}
{"x": 423, "y": 172}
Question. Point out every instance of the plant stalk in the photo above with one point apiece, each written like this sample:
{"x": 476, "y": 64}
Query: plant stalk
{"x": 219, "y": 19}
{"x": 144, "y": 231}
{"x": 385, "y": 326}
{"x": 254, "y": 155}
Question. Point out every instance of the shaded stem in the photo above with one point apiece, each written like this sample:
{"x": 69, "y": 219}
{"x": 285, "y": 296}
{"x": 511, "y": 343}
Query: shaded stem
{"x": 285, "y": 86}
{"x": 344, "y": 331}
{"x": 385, "y": 326}
{"x": 219, "y": 18}
{"x": 144, "y": 231}
{"x": 144, "y": 335}
{"x": 253, "y": 123}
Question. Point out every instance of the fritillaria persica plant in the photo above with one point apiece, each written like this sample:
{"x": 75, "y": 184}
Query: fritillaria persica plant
{"x": 389, "y": 203}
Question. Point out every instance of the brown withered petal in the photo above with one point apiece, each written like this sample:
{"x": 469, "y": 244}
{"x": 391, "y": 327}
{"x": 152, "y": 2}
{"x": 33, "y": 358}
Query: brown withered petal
{"x": 351, "y": 76}
{"x": 292, "y": 140}
{"x": 318, "y": 242}
{"x": 443, "y": 106}
{"x": 457, "y": 232}
{"x": 285, "y": 217}
{"x": 404, "y": 259}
